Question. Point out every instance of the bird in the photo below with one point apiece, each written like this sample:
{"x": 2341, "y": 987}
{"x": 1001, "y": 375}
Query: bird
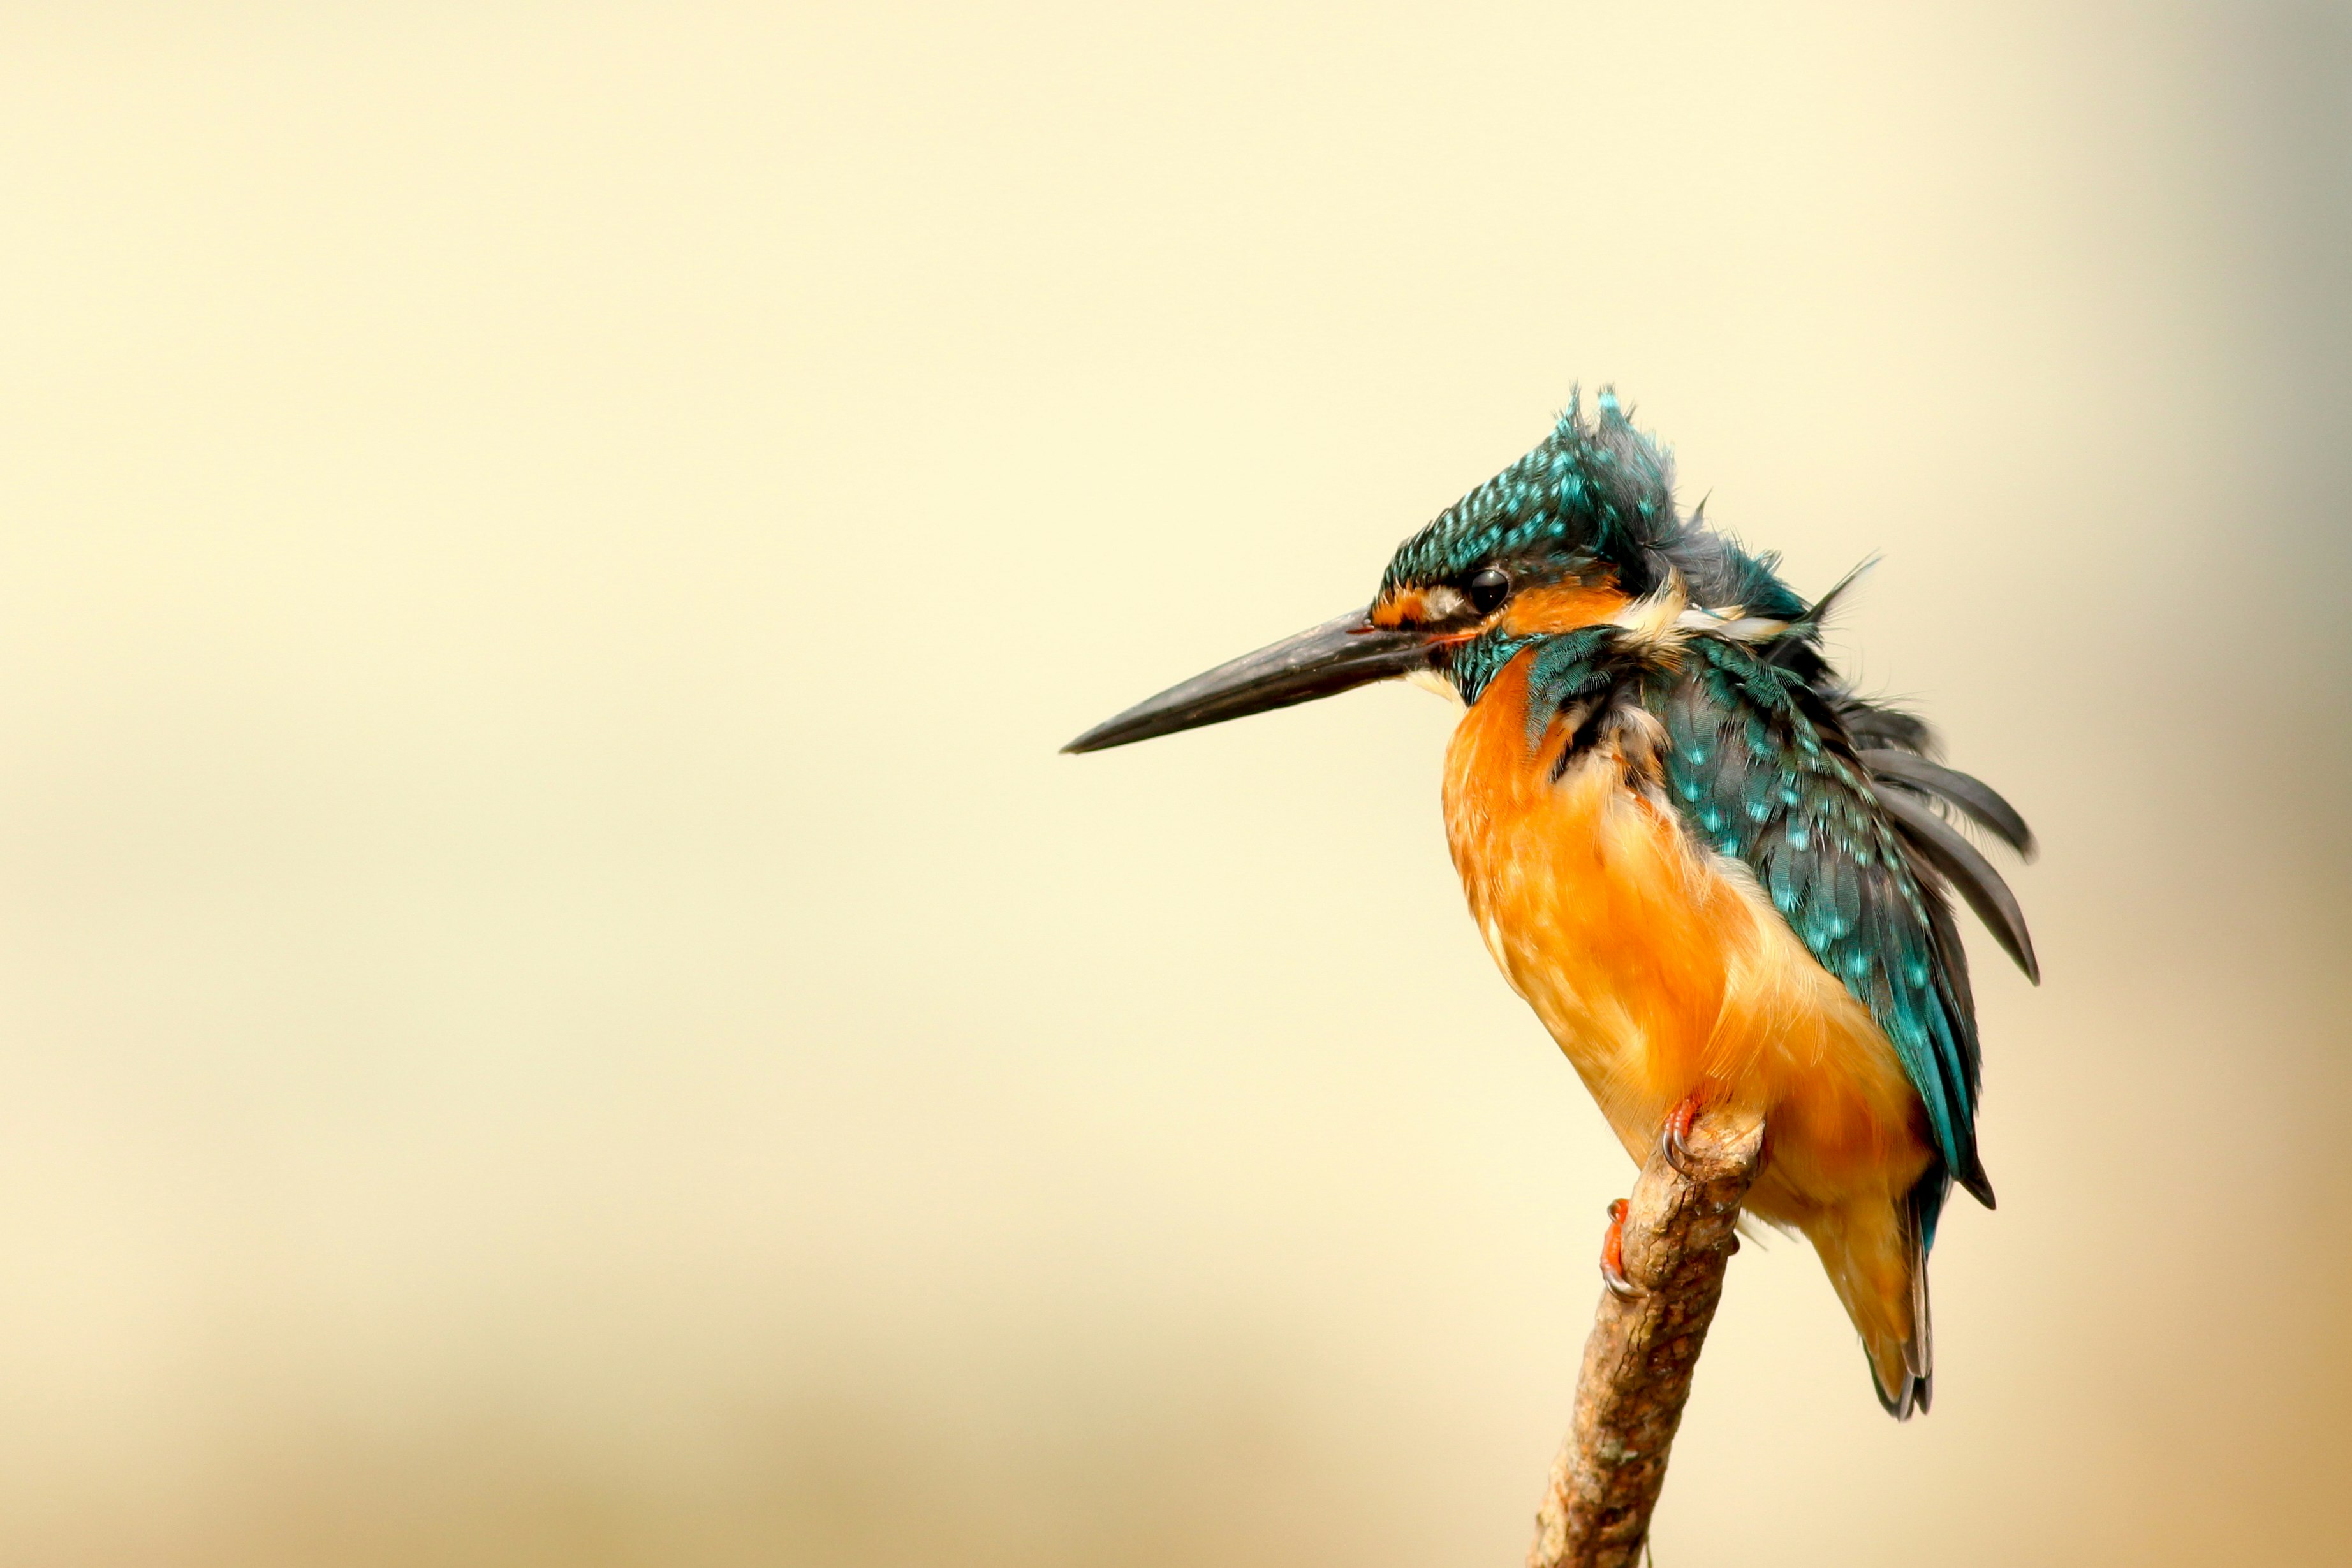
{"x": 1721, "y": 875}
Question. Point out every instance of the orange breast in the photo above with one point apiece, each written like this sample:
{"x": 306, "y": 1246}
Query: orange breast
{"x": 1662, "y": 970}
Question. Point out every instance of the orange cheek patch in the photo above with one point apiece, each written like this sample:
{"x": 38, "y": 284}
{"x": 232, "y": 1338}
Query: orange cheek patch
{"x": 1404, "y": 607}
{"x": 1549, "y": 610}
{"x": 1561, "y": 607}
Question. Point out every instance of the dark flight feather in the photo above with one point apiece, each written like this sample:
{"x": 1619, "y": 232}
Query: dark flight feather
{"x": 1875, "y": 726}
{"x": 1983, "y": 804}
{"x": 1968, "y": 871}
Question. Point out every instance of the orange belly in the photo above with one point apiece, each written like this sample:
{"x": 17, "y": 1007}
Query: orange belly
{"x": 1663, "y": 972}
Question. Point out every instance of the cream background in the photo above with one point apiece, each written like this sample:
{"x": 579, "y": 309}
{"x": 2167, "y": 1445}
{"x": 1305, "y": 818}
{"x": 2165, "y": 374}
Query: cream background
{"x": 559, "y": 1006}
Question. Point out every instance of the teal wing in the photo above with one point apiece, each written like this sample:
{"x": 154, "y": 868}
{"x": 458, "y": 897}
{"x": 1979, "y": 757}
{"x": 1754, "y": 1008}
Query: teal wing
{"x": 1762, "y": 769}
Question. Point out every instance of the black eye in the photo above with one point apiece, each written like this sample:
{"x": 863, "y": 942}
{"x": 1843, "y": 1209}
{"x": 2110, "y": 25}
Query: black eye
{"x": 1488, "y": 589}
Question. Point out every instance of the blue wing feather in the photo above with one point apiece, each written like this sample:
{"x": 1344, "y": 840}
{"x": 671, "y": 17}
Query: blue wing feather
{"x": 1762, "y": 768}
{"x": 1763, "y": 773}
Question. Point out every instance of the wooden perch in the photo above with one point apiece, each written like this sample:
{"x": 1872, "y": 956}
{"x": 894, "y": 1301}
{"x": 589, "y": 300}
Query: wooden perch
{"x": 1637, "y": 1370}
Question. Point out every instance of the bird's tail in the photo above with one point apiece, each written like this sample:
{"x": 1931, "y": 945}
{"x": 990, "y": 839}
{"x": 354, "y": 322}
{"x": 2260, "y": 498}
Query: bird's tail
{"x": 1875, "y": 1252}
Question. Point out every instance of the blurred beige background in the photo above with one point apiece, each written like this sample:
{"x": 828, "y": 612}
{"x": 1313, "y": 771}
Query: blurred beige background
{"x": 560, "y": 1007}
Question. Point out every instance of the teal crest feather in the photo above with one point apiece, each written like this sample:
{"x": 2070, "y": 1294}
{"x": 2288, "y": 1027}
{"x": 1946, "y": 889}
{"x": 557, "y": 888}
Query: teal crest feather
{"x": 1594, "y": 490}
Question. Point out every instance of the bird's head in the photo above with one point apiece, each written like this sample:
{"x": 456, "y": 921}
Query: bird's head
{"x": 1565, "y": 536}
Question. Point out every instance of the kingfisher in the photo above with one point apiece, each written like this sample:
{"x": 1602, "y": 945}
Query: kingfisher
{"x": 1720, "y": 876}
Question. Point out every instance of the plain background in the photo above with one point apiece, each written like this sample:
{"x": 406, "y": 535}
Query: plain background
{"x": 560, "y": 1007}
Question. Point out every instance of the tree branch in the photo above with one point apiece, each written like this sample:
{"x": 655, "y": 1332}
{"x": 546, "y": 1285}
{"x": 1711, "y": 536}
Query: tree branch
{"x": 1637, "y": 1370}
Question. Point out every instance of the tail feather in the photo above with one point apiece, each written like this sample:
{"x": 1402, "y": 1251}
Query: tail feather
{"x": 1899, "y": 1406}
{"x": 1876, "y": 1257}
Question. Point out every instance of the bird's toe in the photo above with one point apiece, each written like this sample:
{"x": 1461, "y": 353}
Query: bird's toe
{"x": 1613, "y": 1256}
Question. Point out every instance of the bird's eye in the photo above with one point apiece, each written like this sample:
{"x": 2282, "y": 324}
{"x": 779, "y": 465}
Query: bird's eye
{"x": 1487, "y": 589}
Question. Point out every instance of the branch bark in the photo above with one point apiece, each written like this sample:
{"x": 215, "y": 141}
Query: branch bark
{"x": 1678, "y": 1236}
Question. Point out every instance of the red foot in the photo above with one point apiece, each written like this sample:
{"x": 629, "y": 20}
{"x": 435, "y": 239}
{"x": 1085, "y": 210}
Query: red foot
{"x": 1613, "y": 1256}
{"x": 1674, "y": 1138}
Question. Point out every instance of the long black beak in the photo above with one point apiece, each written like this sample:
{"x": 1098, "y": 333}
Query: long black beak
{"x": 1336, "y": 656}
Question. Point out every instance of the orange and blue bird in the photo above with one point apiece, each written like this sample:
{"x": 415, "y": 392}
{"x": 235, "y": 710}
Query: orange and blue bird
{"x": 1719, "y": 875}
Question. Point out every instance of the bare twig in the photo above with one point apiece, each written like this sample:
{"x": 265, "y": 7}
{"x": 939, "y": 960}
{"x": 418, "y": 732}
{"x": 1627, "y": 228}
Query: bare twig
{"x": 1644, "y": 1346}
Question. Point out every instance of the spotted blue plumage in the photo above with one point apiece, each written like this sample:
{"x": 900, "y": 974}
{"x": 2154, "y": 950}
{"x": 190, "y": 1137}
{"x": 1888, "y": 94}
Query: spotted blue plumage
{"x": 1594, "y": 490}
{"x": 1764, "y": 773}
{"x": 1763, "y": 770}
{"x": 1595, "y": 500}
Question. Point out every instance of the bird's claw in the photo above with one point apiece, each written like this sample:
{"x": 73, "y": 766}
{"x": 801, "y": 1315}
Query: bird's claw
{"x": 1674, "y": 1138}
{"x": 1613, "y": 1256}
